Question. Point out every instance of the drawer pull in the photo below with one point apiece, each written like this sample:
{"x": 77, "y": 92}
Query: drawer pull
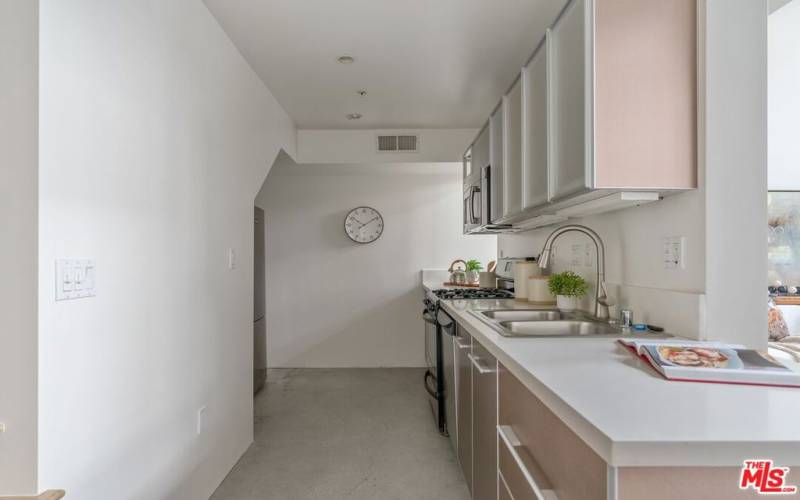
{"x": 482, "y": 369}
{"x": 462, "y": 346}
{"x": 512, "y": 442}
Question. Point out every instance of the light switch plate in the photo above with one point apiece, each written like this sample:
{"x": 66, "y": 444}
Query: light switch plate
{"x": 75, "y": 279}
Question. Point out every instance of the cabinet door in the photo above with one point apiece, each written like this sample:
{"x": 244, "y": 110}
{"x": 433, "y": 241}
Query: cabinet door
{"x": 467, "y": 165}
{"x": 534, "y": 130}
{"x": 463, "y": 346}
{"x": 448, "y": 361}
{"x": 496, "y": 162}
{"x": 484, "y": 423}
{"x": 570, "y": 165}
{"x": 480, "y": 152}
{"x": 512, "y": 150}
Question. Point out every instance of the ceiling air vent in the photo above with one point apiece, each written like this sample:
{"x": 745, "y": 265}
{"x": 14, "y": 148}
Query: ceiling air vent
{"x": 398, "y": 143}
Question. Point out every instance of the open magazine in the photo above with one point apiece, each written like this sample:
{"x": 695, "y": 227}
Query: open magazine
{"x": 712, "y": 362}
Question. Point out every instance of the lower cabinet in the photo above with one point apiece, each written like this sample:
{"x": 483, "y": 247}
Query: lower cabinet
{"x": 463, "y": 374}
{"x": 484, "y": 423}
{"x": 538, "y": 450}
{"x": 511, "y": 446}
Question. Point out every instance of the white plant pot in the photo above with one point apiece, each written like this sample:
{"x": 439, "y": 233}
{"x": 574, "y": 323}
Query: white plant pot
{"x": 473, "y": 277}
{"x": 566, "y": 303}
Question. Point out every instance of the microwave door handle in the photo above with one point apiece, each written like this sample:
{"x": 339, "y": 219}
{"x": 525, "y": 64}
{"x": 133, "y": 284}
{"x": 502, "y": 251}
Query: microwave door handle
{"x": 468, "y": 210}
{"x": 475, "y": 190}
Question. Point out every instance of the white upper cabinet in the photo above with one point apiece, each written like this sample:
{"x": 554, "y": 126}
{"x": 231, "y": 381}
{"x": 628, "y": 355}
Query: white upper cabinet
{"x": 512, "y": 150}
{"x": 480, "y": 152}
{"x": 496, "y": 161}
{"x": 603, "y": 116}
{"x": 535, "y": 134}
{"x": 570, "y": 166}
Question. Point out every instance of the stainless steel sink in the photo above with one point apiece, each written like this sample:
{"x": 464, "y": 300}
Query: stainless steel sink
{"x": 545, "y": 323}
{"x": 522, "y": 315}
{"x": 557, "y": 328}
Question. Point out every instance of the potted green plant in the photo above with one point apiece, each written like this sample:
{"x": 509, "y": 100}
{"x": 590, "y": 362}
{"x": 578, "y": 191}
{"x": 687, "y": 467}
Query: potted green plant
{"x": 568, "y": 287}
{"x": 474, "y": 268}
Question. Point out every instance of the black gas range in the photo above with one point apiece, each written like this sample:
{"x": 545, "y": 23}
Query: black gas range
{"x": 439, "y": 332}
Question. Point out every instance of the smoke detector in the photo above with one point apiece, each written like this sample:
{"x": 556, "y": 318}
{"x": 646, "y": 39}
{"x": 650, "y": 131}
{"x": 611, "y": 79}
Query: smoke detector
{"x": 346, "y": 59}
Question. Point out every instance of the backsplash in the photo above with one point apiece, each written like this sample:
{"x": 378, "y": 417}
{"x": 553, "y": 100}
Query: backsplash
{"x": 636, "y": 276}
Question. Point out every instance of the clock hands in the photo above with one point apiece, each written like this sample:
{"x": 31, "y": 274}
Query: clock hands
{"x": 362, "y": 224}
{"x": 372, "y": 219}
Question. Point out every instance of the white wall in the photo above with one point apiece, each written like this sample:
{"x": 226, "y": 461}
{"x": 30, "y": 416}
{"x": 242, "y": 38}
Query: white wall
{"x": 335, "y": 303}
{"x": 784, "y": 100}
{"x": 359, "y": 146}
{"x": 155, "y": 138}
{"x": 19, "y": 46}
{"x": 735, "y": 158}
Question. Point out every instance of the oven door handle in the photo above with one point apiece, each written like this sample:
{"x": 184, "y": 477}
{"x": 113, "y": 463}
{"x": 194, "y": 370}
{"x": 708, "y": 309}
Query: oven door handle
{"x": 433, "y": 393}
{"x": 426, "y": 316}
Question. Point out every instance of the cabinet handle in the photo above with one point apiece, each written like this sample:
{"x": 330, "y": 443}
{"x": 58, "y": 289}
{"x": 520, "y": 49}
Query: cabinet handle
{"x": 482, "y": 369}
{"x": 462, "y": 346}
{"x": 512, "y": 442}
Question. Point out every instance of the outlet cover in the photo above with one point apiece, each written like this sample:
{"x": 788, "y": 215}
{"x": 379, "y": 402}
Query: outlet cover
{"x": 673, "y": 253}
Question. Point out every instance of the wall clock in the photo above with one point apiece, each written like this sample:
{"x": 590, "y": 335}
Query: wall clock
{"x": 363, "y": 225}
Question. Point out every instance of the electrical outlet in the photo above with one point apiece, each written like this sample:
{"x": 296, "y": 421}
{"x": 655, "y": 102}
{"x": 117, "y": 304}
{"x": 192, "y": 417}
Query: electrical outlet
{"x": 201, "y": 417}
{"x": 231, "y": 258}
{"x": 2, "y": 427}
{"x": 673, "y": 253}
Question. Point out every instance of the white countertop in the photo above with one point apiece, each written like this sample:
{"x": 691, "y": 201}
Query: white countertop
{"x": 629, "y": 414}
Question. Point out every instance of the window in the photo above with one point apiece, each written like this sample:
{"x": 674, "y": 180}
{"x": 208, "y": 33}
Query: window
{"x": 783, "y": 253}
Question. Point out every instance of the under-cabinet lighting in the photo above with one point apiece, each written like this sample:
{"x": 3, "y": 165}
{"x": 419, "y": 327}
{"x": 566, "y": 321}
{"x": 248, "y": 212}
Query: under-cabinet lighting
{"x": 609, "y": 203}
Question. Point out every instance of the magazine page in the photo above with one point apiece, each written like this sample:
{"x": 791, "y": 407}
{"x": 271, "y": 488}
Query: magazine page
{"x": 719, "y": 364}
{"x": 637, "y": 344}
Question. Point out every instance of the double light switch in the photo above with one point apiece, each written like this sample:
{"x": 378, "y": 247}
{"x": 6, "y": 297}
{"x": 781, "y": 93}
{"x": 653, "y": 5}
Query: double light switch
{"x": 75, "y": 279}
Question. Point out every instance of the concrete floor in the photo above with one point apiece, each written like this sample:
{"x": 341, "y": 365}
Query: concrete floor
{"x": 345, "y": 433}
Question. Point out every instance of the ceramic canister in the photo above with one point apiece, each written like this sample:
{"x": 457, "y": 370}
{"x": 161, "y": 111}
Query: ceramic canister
{"x": 538, "y": 291}
{"x": 522, "y": 271}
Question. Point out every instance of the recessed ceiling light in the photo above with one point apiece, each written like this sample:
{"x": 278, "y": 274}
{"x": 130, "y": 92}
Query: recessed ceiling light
{"x": 354, "y": 116}
{"x": 346, "y": 59}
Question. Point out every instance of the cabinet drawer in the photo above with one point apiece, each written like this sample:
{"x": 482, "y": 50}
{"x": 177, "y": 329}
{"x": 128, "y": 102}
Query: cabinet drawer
{"x": 572, "y": 469}
{"x": 518, "y": 472}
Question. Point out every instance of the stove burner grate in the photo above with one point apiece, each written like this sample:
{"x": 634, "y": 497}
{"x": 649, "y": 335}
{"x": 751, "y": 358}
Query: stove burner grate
{"x": 472, "y": 293}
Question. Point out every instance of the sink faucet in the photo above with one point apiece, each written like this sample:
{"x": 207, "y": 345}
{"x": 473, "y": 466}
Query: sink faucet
{"x": 601, "y": 299}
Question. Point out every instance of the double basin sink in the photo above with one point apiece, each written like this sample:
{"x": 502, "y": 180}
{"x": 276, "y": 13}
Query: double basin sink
{"x": 553, "y": 323}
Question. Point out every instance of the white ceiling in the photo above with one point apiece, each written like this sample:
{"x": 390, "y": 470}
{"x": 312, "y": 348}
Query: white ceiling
{"x": 424, "y": 63}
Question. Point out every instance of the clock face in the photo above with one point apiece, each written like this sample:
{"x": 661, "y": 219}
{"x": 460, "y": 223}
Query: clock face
{"x": 363, "y": 225}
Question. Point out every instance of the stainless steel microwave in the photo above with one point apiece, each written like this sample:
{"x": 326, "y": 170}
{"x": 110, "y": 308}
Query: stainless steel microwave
{"x": 478, "y": 214}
